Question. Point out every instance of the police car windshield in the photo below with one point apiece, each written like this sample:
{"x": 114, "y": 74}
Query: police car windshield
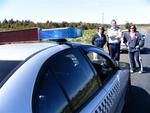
{"x": 6, "y": 67}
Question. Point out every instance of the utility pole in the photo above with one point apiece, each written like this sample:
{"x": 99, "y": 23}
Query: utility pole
{"x": 102, "y": 18}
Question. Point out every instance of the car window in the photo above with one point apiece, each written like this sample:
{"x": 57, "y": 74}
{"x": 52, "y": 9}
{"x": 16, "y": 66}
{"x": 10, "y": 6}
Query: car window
{"x": 75, "y": 76}
{"x": 48, "y": 97}
{"x": 102, "y": 64}
{"x": 6, "y": 67}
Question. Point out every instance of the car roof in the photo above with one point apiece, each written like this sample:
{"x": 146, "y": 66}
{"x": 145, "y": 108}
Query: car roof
{"x": 22, "y": 51}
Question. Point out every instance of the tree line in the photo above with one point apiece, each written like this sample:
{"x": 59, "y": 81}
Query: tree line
{"x": 11, "y": 24}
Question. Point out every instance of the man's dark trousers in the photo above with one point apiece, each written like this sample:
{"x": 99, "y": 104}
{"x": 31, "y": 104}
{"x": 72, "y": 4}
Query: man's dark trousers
{"x": 114, "y": 51}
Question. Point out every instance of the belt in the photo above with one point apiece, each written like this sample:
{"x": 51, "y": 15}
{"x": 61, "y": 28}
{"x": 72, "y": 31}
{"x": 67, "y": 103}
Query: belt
{"x": 114, "y": 43}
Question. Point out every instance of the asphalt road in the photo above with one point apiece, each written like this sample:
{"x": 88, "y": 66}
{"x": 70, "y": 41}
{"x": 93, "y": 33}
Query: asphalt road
{"x": 139, "y": 99}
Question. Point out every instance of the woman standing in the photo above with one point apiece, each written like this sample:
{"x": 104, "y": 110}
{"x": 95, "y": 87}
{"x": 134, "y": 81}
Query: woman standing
{"x": 134, "y": 42}
{"x": 99, "y": 39}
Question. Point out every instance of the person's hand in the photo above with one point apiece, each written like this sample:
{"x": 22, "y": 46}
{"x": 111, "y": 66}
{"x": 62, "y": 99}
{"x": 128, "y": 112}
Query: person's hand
{"x": 126, "y": 44}
{"x": 114, "y": 36}
{"x": 137, "y": 46}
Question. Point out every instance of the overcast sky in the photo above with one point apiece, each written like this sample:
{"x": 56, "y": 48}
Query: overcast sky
{"x": 98, "y": 11}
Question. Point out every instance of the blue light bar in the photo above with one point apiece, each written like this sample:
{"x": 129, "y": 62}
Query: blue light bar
{"x": 60, "y": 33}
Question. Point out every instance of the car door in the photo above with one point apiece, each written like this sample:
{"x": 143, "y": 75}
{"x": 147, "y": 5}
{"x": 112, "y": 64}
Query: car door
{"x": 113, "y": 80}
{"x": 65, "y": 84}
{"x": 48, "y": 97}
{"x": 76, "y": 78}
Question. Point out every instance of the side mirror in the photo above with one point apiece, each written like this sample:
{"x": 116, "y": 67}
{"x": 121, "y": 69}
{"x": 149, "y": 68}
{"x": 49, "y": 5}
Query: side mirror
{"x": 123, "y": 65}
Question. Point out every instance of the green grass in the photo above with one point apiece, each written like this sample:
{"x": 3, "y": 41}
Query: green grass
{"x": 86, "y": 38}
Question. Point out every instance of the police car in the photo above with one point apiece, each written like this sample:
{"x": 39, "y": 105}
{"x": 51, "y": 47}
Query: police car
{"x": 61, "y": 77}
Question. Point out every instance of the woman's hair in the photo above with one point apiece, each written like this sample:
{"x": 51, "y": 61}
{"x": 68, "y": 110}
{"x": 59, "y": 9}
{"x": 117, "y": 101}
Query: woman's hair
{"x": 113, "y": 20}
{"x": 132, "y": 26}
{"x": 102, "y": 28}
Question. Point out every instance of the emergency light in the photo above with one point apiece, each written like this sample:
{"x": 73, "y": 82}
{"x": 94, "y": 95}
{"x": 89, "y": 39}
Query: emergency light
{"x": 39, "y": 34}
{"x": 60, "y": 33}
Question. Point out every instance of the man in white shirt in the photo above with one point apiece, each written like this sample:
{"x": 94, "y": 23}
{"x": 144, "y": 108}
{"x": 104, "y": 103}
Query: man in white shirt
{"x": 114, "y": 39}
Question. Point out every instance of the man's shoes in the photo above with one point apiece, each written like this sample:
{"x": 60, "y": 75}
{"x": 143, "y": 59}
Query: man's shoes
{"x": 131, "y": 71}
{"x": 140, "y": 72}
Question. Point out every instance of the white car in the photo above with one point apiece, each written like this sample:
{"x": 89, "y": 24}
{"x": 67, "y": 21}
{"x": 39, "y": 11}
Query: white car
{"x": 61, "y": 77}
{"x": 123, "y": 46}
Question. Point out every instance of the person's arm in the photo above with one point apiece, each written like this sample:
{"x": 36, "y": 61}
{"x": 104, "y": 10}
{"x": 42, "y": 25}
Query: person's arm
{"x": 109, "y": 33}
{"x": 104, "y": 40}
{"x": 119, "y": 34}
{"x": 141, "y": 40}
{"x": 93, "y": 39}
